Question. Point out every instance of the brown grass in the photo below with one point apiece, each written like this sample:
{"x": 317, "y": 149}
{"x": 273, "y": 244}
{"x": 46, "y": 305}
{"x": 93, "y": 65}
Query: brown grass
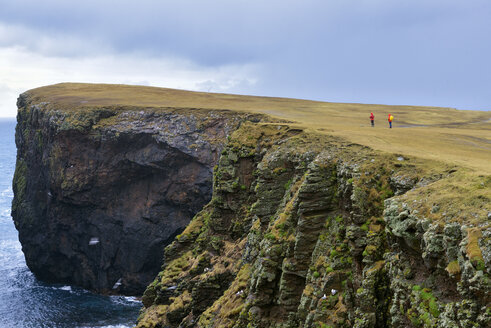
{"x": 473, "y": 250}
{"x": 461, "y": 196}
{"x": 445, "y": 134}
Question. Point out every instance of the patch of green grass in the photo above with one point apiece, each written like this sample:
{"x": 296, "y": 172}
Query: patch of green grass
{"x": 288, "y": 184}
{"x": 453, "y": 268}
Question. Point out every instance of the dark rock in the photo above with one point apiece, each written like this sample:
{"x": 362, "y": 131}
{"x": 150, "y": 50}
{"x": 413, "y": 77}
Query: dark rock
{"x": 130, "y": 180}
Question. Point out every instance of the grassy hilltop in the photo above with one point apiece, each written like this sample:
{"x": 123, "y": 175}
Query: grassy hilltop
{"x": 316, "y": 219}
{"x": 445, "y": 137}
{"x": 445, "y": 134}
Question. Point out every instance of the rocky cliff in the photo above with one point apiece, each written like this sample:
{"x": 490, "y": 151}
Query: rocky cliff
{"x": 100, "y": 191}
{"x": 291, "y": 228}
{"x": 309, "y": 231}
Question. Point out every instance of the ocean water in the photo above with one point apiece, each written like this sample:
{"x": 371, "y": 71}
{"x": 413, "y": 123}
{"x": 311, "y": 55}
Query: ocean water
{"x": 27, "y": 302}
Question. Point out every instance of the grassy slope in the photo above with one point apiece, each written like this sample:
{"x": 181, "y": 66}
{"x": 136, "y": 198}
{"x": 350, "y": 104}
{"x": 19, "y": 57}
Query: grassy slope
{"x": 454, "y": 136}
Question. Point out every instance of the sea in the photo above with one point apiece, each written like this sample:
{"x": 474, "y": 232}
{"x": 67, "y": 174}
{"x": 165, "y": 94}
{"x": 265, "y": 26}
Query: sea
{"x": 26, "y": 302}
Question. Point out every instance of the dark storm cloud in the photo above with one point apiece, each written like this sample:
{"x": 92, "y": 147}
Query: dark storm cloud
{"x": 377, "y": 51}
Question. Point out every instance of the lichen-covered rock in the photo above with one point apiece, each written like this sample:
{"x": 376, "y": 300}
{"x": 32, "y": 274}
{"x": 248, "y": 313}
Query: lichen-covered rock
{"x": 449, "y": 282}
{"x": 321, "y": 247}
{"x": 302, "y": 230}
{"x": 317, "y": 246}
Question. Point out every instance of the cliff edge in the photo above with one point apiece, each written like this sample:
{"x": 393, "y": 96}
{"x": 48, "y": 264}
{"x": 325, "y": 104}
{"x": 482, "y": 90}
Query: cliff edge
{"x": 305, "y": 230}
{"x": 302, "y": 220}
{"x": 99, "y": 191}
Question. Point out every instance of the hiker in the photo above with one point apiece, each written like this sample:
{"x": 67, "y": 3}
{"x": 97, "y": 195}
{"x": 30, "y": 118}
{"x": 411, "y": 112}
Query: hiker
{"x": 390, "y": 120}
{"x": 372, "y": 117}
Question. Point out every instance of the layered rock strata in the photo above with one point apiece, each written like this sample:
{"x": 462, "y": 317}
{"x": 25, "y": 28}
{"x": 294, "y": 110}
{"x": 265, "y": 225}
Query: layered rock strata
{"x": 308, "y": 231}
{"x": 99, "y": 192}
{"x": 293, "y": 229}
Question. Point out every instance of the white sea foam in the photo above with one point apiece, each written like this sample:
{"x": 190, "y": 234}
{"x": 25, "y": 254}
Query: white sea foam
{"x": 5, "y": 213}
{"x": 125, "y": 299}
{"x": 132, "y": 299}
{"x": 67, "y": 288}
{"x": 6, "y": 193}
{"x": 27, "y": 302}
{"x": 10, "y": 245}
{"x": 108, "y": 326}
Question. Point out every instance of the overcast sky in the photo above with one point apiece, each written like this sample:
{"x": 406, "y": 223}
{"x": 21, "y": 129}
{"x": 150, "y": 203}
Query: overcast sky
{"x": 413, "y": 52}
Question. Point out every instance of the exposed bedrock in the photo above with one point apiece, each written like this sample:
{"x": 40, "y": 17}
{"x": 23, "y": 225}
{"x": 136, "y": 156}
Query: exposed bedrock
{"x": 99, "y": 192}
{"x": 301, "y": 229}
{"x": 308, "y": 231}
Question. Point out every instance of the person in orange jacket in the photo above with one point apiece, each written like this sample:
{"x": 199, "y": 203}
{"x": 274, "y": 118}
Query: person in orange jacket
{"x": 372, "y": 117}
{"x": 390, "y": 120}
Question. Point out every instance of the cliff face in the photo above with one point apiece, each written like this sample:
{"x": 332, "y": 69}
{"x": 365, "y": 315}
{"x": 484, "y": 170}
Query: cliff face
{"x": 308, "y": 231}
{"x": 292, "y": 229}
{"x": 99, "y": 192}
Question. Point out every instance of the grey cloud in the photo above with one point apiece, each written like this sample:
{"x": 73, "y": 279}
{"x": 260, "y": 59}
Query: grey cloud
{"x": 414, "y": 52}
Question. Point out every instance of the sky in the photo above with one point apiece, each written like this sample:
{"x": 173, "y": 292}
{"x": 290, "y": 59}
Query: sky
{"x": 399, "y": 52}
